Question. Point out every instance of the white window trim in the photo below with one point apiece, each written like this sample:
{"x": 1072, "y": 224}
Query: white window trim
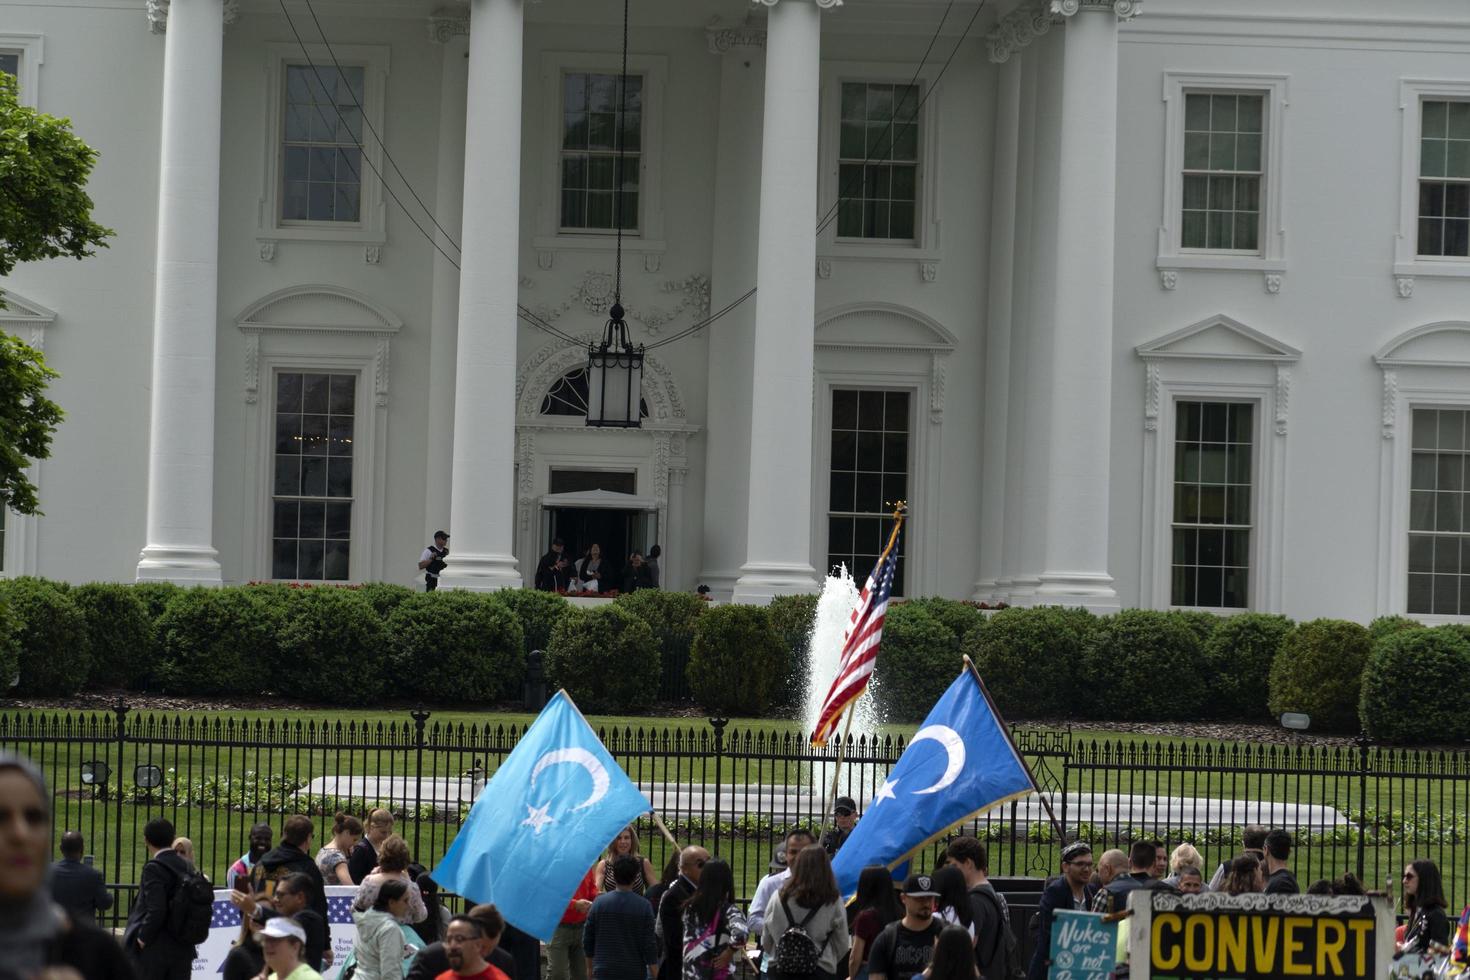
{"x": 1407, "y": 260}
{"x": 1411, "y": 382}
{"x": 925, "y": 246}
{"x": 1272, "y": 255}
{"x": 1176, "y": 370}
{"x": 371, "y": 229}
{"x": 32, "y": 51}
{"x": 649, "y": 239}
{"x": 27, "y": 321}
{"x": 278, "y": 338}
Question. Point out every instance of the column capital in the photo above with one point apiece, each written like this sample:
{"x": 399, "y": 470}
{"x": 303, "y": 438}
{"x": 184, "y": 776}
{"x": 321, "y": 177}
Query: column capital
{"x": 1122, "y": 9}
{"x": 722, "y": 39}
{"x": 158, "y": 14}
{"x": 1018, "y": 29}
{"x": 448, "y": 23}
{"x": 824, "y": 4}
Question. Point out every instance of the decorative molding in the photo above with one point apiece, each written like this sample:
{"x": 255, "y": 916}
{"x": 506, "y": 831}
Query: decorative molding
{"x": 824, "y": 268}
{"x": 938, "y": 366}
{"x": 541, "y": 370}
{"x": 1404, "y": 285}
{"x": 1219, "y": 338}
{"x": 1169, "y": 278}
{"x": 526, "y": 282}
{"x": 1151, "y": 397}
{"x": 594, "y": 294}
{"x": 1017, "y": 30}
{"x": 252, "y": 366}
{"x": 267, "y": 249}
{"x": 723, "y": 40}
{"x": 661, "y": 453}
{"x": 1122, "y": 9}
{"x": 1283, "y": 395}
{"x": 652, "y": 262}
{"x": 448, "y": 23}
{"x": 1390, "y": 403}
{"x": 323, "y": 311}
{"x": 372, "y": 254}
{"x": 544, "y": 259}
{"x": 929, "y": 271}
{"x": 158, "y": 14}
{"x": 380, "y": 372}
{"x": 525, "y": 476}
{"x": 25, "y": 319}
{"x": 1273, "y": 283}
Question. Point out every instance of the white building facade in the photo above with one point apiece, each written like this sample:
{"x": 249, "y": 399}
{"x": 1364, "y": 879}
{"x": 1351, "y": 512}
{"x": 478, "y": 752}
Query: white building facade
{"x": 1163, "y": 307}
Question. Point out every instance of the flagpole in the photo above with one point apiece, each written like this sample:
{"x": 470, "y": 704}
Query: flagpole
{"x": 658, "y": 822}
{"x": 837, "y": 768}
{"x": 1045, "y": 803}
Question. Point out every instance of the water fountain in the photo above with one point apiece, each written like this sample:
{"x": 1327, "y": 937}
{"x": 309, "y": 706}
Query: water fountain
{"x": 834, "y": 611}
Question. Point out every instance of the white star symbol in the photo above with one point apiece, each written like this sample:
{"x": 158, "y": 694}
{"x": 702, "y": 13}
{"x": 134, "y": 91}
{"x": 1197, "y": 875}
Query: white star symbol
{"x": 537, "y": 818}
{"x": 885, "y": 792}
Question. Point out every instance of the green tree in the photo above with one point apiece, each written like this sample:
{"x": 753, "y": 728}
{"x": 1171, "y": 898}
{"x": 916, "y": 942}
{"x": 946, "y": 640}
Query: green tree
{"x": 45, "y": 213}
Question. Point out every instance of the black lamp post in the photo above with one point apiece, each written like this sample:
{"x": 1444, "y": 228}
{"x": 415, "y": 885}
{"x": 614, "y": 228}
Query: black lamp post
{"x": 615, "y": 376}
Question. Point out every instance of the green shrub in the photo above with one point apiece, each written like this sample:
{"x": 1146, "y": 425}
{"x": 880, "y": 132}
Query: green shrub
{"x": 456, "y": 646}
{"x": 673, "y": 617}
{"x": 1319, "y": 671}
{"x": 956, "y": 616}
{"x": 792, "y": 617}
{"x": 338, "y": 638}
{"x": 1201, "y": 624}
{"x": 536, "y": 611}
{"x": 1385, "y": 625}
{"x": 1409, "y": 691}
{"x": 222, "y": 641}
{"x": 1145, "y": 665}
{"x": 1030, "y": 658}
{"x": 736, "y": 661}
{"x": 1238, "y": 663}
{"x": 54, "y": 656}
{"x": 916, "y": 662}
{"x": 155, "y": 597}
{"x": 9, "y": 645}
{"x": 384, "y": 597}
{"x": 606, "y": 658}
{"x": 119, "y": 634}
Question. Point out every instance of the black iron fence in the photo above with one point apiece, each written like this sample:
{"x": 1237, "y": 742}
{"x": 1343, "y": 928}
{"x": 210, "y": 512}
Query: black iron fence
{"x": 1352, "y": 808}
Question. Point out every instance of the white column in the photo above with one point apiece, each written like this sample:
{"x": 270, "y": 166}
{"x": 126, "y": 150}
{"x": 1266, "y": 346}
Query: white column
{"x": 444, "y": 298}
{"x": 186, "y": 301}
{"x": 482, "y": 489}
{"x": 998, "y": 324}
{"x": 732, "y": 272}
{"x": 1079, "y": 446}
{"x": 778, "y": 536}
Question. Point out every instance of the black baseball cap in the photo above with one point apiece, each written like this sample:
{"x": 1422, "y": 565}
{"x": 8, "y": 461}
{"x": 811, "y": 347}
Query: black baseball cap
{"x": 920, "y": 886}
{"x": 778, "y": 860}
{"x": 844, "y": 805}
{"x": 442, "y": 534}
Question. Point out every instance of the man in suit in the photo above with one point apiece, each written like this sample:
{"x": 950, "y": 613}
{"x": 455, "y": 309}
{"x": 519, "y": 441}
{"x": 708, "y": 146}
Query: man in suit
{"x": 1073, "y": 890}
{"x": 671, "y": 908}
{"x": 156, "y": 952}
{"x": 77, "y": 887}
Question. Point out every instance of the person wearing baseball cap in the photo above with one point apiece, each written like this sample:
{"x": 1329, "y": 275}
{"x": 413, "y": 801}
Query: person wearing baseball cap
{"x": 844, "y": 815}
{"x": 1073, "y": 890}
{"x": 431, "y": 562}
{"x": 284, "y": 940}
{"x": 905, "y": 947}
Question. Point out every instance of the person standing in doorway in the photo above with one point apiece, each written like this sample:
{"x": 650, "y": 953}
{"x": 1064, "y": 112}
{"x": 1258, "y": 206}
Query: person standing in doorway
{"x": 553, "y": 571}
{"x": 431, "y": 562}
{"x": 636, "y": 576}
{"x": 589, "y": 569}
{"x": 655, "y": 575}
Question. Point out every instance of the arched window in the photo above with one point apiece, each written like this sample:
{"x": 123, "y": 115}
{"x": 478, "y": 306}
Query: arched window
{"x": 568, "y": 396}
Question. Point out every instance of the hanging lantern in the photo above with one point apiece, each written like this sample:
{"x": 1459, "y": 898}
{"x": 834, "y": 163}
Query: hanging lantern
{"x": 615, "y": 376}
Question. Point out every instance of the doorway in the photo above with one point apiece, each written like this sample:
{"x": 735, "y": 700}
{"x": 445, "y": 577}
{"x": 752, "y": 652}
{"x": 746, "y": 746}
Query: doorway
{"x": 602, "y": 518}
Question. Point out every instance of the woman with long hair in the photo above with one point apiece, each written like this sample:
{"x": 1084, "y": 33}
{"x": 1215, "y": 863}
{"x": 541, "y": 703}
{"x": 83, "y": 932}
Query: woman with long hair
{"x": 953, "y": 905}
{"x": 655, "y": 893}
{"x": 714, "y": 926}
{"x": 331, "y": 860}
{"x": 364, "y": 857}
{"x": 589, "y": 569}
{"x": 393, "y": 862}
{"x": 246, "y": 959}
{"x": 1424, "y": 901}
{"x": 1244, "y": 876}
{"x": 379, "y": 948}
{"x": 875, "y": 906}
{"x": 954, "y": 955}
{"x": 809, "y": 900}
{"x": 625, "y": 843}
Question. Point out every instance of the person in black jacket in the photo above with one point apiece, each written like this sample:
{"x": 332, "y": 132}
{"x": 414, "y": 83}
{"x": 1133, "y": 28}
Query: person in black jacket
{"x": 293, "y": 856}
{"x": 79, "y": 888}
{"x": 1073, "y": 890}
{"x": 159, "y": 955}
{"x": 636, "y": 576}
{"x": 553, "y": 571}
{"x": 364, "y": 856}
{"x": 1425, "y": 902}
{"x": 671, "y": 908}
{"x": 432, "y": 960}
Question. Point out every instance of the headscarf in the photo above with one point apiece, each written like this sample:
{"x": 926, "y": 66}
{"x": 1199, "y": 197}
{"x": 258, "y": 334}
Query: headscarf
{"x": 29, "y": 926}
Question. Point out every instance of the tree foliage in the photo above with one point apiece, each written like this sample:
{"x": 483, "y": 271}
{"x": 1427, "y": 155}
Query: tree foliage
{"x": 27, "y": 419}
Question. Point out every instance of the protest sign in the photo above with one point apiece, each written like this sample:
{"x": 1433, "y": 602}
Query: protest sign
{"x": 1083, "y": 947}
{"x": 224, "y": 929}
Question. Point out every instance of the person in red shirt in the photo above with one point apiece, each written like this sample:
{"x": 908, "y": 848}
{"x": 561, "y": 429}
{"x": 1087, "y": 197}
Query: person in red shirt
{"x": 565, "y": 958}
{"x": 464, "y": 946}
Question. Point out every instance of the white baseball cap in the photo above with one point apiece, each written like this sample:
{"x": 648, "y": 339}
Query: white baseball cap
{"x": 284, "y": 927}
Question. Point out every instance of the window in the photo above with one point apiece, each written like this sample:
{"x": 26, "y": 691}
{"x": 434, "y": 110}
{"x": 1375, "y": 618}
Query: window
{"x": 1223, "y": 135}
{"x": 568, "y": 396}
{"x": 869, "y": 473}
{"x": 598, "y": 192}
{"x": 878, "y": 161}
{"x": 1212, "y": 504}
{"x": 312, "y": 500}
{"x": 321, "y": 157}
{"x": 1439, "y": 578}
{"x": 10, "y": 63}
{"x": 1444, "y": 178}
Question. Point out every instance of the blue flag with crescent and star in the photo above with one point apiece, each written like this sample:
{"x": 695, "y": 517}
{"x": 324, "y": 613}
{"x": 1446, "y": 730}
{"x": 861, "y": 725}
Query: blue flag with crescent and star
{"x": 541, "y": 822}
{"x": 959, "y": 763}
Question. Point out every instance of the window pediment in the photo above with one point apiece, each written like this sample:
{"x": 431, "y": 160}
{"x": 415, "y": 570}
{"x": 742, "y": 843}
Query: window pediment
{"x": 1443, "y": 344}
{"x": 318, "y": 308}
{"x": 1219, "y": 338}
{"x": 882, "y": 326}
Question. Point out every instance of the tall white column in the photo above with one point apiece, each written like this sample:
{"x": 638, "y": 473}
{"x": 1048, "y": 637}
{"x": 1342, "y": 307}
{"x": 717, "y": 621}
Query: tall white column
{"x": 482, "y": 501}
{"x": 732, "y": 271}
{"x": 1079, "y": 447}
{"x": 186, "y": 300}
{"x": 444, "y": 302}
{"x": 778, "y": 536}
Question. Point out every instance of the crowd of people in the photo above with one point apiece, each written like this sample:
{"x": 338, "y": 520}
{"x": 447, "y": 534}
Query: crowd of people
{"x": 593, "y": 572}
{"x": 626, "y": 921}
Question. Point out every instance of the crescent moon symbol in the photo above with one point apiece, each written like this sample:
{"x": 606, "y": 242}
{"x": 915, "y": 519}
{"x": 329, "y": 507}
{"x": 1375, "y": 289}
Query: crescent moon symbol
{"x": 953, "y": 744}
{"x": 586, "y": 760}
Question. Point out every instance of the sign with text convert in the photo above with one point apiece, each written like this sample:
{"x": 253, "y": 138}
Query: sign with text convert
{"x": 1215, "y": 936}
{"x": 1083, "y": 947}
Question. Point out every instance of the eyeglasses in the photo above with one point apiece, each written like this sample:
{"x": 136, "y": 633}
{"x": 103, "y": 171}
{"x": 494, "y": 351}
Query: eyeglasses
{"x": 1080, "y": 864}
{"x": 1409, "y": 876}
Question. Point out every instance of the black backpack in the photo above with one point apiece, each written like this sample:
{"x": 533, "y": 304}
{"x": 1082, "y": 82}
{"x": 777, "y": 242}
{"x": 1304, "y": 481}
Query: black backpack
{"x": 797, "y": 953}
{"x": 191, "y": 908}
{"x": 1012, "y": 956}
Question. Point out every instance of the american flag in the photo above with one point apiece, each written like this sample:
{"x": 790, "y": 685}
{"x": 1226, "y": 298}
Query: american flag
{"x": 860, "y": 644}
{"x": 339, "y": 910}
{"x": 223, "y": 914}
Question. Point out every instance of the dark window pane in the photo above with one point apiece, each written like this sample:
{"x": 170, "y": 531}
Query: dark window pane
{"x": 1447, "y": 512}
{"x": 343, "y": 394}
{"x": 869, "y": 493}
{"x": 839, "y": 534}
{"x": 1421, "y": 590}
{"x": 283, "y": 558}
{"x": 313, "y": 476}
{"x": 1212, "y": 505}
{"x": 288, "y": 392}
{"x": 288, "y": 475}
{"x": 1446, "y": 595}
{"x": 1431, "y": 236}
{"x": 1236, "y": 588}
{"x": 1186, "y": 546}
{"x": 283, "y": 524}
{"x": 314, "y": 435}
{"x": 1186, "y": 504}
{"x": 841, "y": 494}
{"x": 339, "y": 476}
{"x": 1421, "y": 553}
{"x": 309, "y": 560}
{"x": 1426, "y": 428}
{"x": 895, "y": 488}
{"x": 288, "y": 434}
{"x": 1211, "y": 585}
{"x": 844, "y": 409}
{"x": 870, "y": 451}
{"x": 313, "y": 519}
{"x": 1182, "y": 591}
{"x": 870, "y": 410}
{"x": 314, "y": 394}
{"x": 1211, "y": 547}
{"x": 1237, "y": 548}
{"x": 896, "y": 413}
{"x": 335, "y": 567}
{"x": 896, "y": 453}
{"x": 844, "y": 450}
{"x": 1421, "y": 510}
{"x": 341, "y": 436}
{"x": 339, "y": 521}
{"x": 1215, "y": 416}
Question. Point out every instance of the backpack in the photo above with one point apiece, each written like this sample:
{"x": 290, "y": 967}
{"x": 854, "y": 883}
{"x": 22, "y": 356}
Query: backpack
{"x": 1007, "y": 936}
{"x": 191, "y": 908}
{"x": 797, "y": 953}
